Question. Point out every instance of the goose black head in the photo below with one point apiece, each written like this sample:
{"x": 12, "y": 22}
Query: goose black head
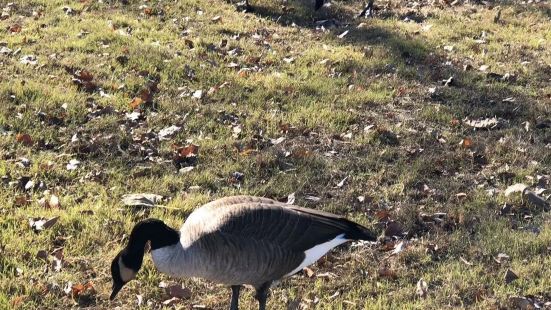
{"x": 127, "y": 263}
{"x": 121, "y": 274}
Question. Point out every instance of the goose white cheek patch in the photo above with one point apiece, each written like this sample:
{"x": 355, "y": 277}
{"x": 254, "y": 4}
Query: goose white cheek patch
{"x": 127, "y": 274}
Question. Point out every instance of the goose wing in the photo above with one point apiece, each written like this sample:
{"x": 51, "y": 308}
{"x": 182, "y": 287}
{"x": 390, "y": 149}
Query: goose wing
{"x": 255, "y": 240}
{"x": 290, "y": 227}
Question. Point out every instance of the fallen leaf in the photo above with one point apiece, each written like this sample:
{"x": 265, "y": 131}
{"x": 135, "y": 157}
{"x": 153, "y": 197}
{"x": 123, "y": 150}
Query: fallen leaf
{"x": 24, "y": 138}
{"x": 449, "y": 82}
{"x": 148, "y": 11}
{"x": 521, "y": 303}
{"x": 291, "y": 199}
{"x": 81, "y": 289}
{"x": 167, "y": 132}
{"x": 519, "y": 187}
{"x": 172, "y": 301}
{"x": 277, "y": 141}
{"x": 22, "y": 200}
{"x": 422, "y": 288}
{"x": 342, "y": 35}
{"x": 15, "y": 28}
{"x": 341, "y": 183}
{"x": 136, "y": 102}
{"x": 17, "y": 301}
{"x": 510, "y": 276}
{"x": 312, "y": 198}
{"x": 487, "y": 123}
{"x": 501, "y": 257}
{"x": 54, "y": 202}
{"x": 141, "y": 200}
{"x": 186, "y": 169}
{"x": 385, "y": 272}
{"x": 38, "y": 224}
{"x": 466, "y": 262}
{"x": 73, "y": 164}
{"x": 178, "y": 291}
{"x": 329, "y": 275}
{"x": 198, "y": 94}
{"x": 382, "y": 215}
{"x": 398, "y": 248}
{"x": 308, "y": 272}
{"x": 189, "y": 150}
{"x": 393, "y": 229}
{"x": 467, "y": 143}
{"x": 29, "y": 60}
{"x": 536, "y": 200}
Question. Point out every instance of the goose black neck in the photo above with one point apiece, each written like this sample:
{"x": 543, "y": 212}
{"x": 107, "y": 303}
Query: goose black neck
{"x": 156, "y": 232}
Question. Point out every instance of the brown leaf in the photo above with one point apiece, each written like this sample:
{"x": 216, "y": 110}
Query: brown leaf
{"x": 393, "y": 229}
{"x": 81, "y": 289}
{"x": 84, "y": 75}
{"x": 22, "y": 200}
{"x": 189, "y": 150}
{"x": 24, "y": 138}
{"x": 188, "y": 43}
{"x": 177, "y": 291}
{"x": 301, "y": 152}
{"x": 467, "y": 143}
{"x": 248, "y": 151}
{"x": 510, "y": 276}
{"x": 136, "y": 102}
{"x": 17, "y": 301}
{"x": 308, "y": 272}
{"x": 42, "y": 254}
{"x": 146, "y": 95}
{"x": 382, "y": 215}
{"x": 15, "y": 28}
{"x": 385, "y": 272}
{"x": 148, "y": 11}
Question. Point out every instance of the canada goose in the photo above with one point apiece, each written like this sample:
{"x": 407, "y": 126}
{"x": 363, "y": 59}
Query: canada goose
{"x": 235, "y": 241}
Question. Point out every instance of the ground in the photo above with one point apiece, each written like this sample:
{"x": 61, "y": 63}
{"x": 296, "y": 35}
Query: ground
{"x": 414, "y": 123}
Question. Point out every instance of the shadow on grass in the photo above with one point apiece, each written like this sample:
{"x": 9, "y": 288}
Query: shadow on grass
{"x": 472, "y": 94}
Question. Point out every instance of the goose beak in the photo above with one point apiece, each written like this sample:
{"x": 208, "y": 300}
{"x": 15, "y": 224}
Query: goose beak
{"x": 116, "y": 289}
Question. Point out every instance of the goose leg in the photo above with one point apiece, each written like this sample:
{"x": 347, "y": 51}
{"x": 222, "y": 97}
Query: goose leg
{"x": 262, "y": 295}
{"x": 369, "y": 8}
{"x": 235, "y": 297}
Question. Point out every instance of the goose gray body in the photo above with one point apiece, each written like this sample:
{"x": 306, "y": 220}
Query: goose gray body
{"x": 252, "y": 240}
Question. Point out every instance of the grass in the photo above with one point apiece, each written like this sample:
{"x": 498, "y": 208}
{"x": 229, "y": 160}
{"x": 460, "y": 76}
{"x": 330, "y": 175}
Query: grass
{"x": 369, "y": 105}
